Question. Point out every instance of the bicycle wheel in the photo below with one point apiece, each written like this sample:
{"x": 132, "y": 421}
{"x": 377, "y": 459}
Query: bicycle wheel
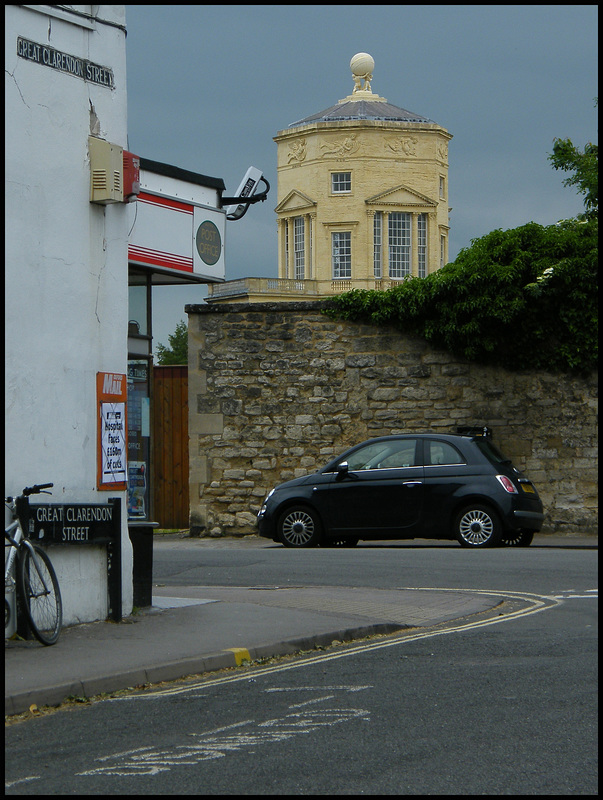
{"x": 40, "y": 595}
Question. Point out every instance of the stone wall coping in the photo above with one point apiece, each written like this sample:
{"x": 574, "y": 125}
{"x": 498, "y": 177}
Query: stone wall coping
{"x": 232, "y": 308}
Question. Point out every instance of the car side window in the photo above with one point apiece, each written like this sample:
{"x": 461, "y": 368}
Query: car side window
{"x": 403, "y": 456}
{"x": 384, "y": 455}
{"x": 363, "y": 458}
{"x": 438, "y": 453}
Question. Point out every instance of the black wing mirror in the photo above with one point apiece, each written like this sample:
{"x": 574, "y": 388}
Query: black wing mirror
{"x": 342, "y": 469}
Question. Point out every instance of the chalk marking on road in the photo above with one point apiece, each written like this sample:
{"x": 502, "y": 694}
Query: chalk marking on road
{"x": 10, "y": 784}
{"x": 125, "y": 753}
{"x": 224, "y": 728}
{"x": 314, "y": 688}
{"x": 313, "y": 702}
{"x": 151, "y": 761}
{"x": 537, "y": 603}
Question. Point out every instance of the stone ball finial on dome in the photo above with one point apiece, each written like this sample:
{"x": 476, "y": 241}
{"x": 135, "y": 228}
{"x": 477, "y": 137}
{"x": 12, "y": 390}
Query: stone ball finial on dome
{"x": 362, "y": 66}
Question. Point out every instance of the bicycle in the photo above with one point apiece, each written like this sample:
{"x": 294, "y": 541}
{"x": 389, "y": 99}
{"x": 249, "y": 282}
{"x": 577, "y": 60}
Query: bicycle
{"x": 28, "y": 569}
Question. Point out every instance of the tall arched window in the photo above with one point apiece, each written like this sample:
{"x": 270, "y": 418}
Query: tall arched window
{"x": 299, "y": 248}
{"x": 341, "y": 254}
{"x": 399, "y": 241}
{"x": 422, "y": 245}
{"x": 378, "y": 244}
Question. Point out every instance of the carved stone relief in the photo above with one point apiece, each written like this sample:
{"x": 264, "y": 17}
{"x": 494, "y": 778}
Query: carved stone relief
{"x": 340, "y": 148}
{"x": 404, "y": 145}
{"x": 297, "y": 151}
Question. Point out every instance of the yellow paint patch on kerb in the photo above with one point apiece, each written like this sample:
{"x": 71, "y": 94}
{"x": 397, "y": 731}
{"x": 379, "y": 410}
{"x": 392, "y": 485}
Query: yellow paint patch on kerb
{"x": 240, "y": 654}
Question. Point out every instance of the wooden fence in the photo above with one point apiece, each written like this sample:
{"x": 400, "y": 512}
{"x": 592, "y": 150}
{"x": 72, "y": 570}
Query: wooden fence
{"x": 170, "y": 447}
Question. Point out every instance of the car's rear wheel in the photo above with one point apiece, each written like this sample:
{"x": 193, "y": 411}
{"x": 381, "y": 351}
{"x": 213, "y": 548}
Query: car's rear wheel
{"x": 343, "y": 541}
{"x": 477, "y": 526}
{"x": 517, "y": 538}
{"x": 299, "y": 526}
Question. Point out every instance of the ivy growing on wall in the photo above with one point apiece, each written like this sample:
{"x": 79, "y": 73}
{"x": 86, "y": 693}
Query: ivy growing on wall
{"x": 524, "y": 298}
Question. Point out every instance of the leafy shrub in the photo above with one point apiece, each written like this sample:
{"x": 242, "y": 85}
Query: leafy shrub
{"x": 524, "y": 298}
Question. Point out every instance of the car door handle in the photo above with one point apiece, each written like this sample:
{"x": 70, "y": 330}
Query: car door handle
{"x": 412, "y": 483}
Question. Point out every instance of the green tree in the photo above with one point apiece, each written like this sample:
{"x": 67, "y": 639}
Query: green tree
{"x": 177, "y": 352}
{"x": 585, "y": 168}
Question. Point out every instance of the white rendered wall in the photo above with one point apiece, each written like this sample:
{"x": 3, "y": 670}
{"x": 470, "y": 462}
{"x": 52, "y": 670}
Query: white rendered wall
{"x": 66, "y": 280}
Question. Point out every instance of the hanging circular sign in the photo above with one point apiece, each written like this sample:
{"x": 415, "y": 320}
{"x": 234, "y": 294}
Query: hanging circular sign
{"x": 209, "y": 242}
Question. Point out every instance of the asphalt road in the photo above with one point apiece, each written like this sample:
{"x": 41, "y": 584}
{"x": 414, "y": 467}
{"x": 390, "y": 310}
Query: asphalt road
{"x": 382, "y": 565}
{"x": 505, "y": 708}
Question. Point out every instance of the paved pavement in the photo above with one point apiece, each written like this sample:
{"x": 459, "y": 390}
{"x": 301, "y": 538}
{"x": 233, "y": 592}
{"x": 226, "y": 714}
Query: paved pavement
{"x": 192, "y": 630}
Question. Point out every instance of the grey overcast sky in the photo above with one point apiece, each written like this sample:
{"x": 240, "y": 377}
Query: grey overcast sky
{"x": 210, "y": 86}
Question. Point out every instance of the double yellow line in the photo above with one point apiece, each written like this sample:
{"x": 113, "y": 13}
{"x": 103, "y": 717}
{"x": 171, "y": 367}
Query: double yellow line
{"x": 534, "y": 603}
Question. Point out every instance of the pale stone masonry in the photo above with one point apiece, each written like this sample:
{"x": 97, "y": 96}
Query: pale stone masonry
{"x": 277, "y": 389}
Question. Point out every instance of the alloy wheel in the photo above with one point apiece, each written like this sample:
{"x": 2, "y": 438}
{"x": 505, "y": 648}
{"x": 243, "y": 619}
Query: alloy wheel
{"x": 477, "y": 527}
{"x": 298, "y": 528}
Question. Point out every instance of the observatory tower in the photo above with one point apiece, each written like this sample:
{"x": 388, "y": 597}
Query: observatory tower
{"x": 362, "y": 193}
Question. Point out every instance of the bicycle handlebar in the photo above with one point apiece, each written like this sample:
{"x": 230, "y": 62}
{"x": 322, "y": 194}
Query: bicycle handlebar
{"x": 37, "y": 489}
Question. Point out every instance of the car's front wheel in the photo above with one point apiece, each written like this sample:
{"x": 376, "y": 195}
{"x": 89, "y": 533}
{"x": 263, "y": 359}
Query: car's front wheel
{"x": 477, "y": 526}
{"x": 299, "y": 526}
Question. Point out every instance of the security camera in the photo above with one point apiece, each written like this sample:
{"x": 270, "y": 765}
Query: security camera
{"x": 246, "y": 193}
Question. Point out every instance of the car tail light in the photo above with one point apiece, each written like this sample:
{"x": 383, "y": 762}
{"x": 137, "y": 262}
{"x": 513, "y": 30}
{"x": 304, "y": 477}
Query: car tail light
{"x": 507, "y": 484}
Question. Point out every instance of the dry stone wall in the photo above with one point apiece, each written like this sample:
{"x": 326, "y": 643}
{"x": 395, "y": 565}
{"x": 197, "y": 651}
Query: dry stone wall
{"x": 277, "y": 389}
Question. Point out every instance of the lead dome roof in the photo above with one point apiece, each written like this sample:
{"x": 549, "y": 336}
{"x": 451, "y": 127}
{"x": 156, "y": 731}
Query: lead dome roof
{"x": 362, "y": 110}
{"x": 363, "y": 104}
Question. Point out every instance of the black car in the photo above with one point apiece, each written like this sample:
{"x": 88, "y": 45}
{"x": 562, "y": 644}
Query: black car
{"x": 436, "y": 486}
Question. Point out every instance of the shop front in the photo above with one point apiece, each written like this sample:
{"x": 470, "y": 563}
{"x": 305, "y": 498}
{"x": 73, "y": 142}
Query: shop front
{"x": 176, "y": 237}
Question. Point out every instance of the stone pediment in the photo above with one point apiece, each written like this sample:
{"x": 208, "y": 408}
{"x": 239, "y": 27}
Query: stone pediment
{"x": 401, "y": 196}
{"x": 295, "y": 201}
